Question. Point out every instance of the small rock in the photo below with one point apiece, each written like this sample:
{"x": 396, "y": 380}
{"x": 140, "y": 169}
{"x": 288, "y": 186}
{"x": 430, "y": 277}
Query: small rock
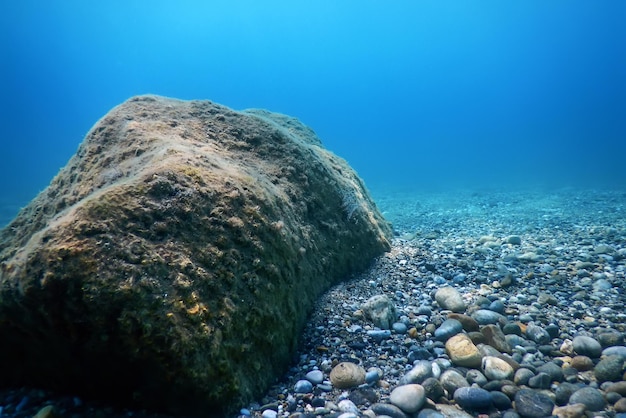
{"x": 386, "y": 409}
{"x": 409, "y": 398}
{"x": 449, "y": 298}
{"x": 269, "y": 413}
{"x": 537, "y": 334}
{"x": 540, "y": 381}
{"x": 421, "y": 371}
{"x": 399, "y": 328}
{"x": 315, "y": 376}
{"x": 570, "y": 411}
{"x": 469, "y": 323}
{"x": 609, "y": 369}
{"x": 532, "y": 404}
{"x": 347, "y": 375}
{"x": 591, "y": 397}
{"x": 553, "y": 370}
{"x": 46, "y": 412}
{"x": 381, "y": 310}
{"x": 514, "y": 240}
{"x": 587, "y": 346}
{"x": 581, "y": 363}
{"x": 522, "y": 376}
{"x": 303, "y": 386}
{"x": 451, "y": 380}
{"x": 447, "y": 329}
{"x": 473, "y": 399}
{"x": 620, "y": 405}
{"x": 618, "y": 387}
{"x": 500, "y": 400}
{"x": 346, "y": 405}
{"x": 496, "y": 338}
{"x": 433, "y": 388}
{"x": 463, "y": 352}
{"x": 496, "y": 368}
{"x": 485, "y": 317}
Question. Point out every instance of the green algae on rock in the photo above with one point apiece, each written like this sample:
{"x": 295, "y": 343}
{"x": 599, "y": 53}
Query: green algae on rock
{"x": 171, "y": 264}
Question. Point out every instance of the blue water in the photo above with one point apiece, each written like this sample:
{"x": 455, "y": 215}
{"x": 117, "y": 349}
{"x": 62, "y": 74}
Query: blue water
{"x": 414, "y": 94}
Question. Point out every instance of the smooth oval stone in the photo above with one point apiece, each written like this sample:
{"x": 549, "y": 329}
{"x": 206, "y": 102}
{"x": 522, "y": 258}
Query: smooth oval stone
{"x": 434, "y": 389}
{"x": 619, "y": 387}
{"x": 372, "y": 376}
{"x": 379, "y": 334}
{"x": 473, "y": 399}
{"x": 610, "y": 339}
{"x": 512, "y": 328}
{"x": 475, "y": 376}
{"x": 563, "y": 392}
{"x": 315, "y": 376}
{"x": 450, "y": 298}
{"x": 532, "y": 404}
{"x": 447, "y": 329}
{"x": 500, "y": 400}
{"x": 581, "y": 363}
{"x": 463, "y": 352}
{"x": 537, "y": 334}
{"x": 619, "y": 350}
{"x": 485, "y": 317}
{"x": 346, "y": 375}
{"x": 409, "y": 398}
{"x": 303, "y": 386}
{"x": 495, "y": 368}
{"x": 388, "y": 410}
{"x": 497, "y": 306}
{"x": 451, "y": 380}
{"x": 591, "y": 397}
{"x": 422, "y": 370}
{"x": 522, "y": 376}
{"x": 399, "y": 328}
{"x": 553, "y": 370}
{"x": 609, "y": 369}
{"x": 430, "y": 413}
{"x": 469, "y": 323}
{"x": 587, "y": 346}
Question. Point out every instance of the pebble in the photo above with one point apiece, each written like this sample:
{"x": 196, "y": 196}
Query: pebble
{"x": 449, "y": 298}
{"x": 473, "y": 399}
{"x": 346, "y": 405}
{"x": 530, "y": 403}
{"x": 609, "y": 369}
{"x": 537, "y": 334}
{"x": 463, "y": 352}
{"x": 315, "y": 376}
{"x": 421, "y": 371}
{"x": 303, "y": 386}
{"x": 485, "y": 317}
{"x": 591, "y": 397}
{"x": 587, "y": 346}
{"x": 409, "y": 398}
{"x": 495, "y": 368}
{"x": 347, "y": 375}
{"x": 381, "y": 310}
{"x": 447, "y": 329}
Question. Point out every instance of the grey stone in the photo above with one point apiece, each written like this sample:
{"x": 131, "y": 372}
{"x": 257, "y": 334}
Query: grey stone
{"x": 303, "y": 386}
{"x": 433, "y": 388}
{"x": 619, "y": 350}
{"x": 553, "y": 370}
{"x": 496, "y": 338}
{"x": 315, "y": 376}
{"x": 537, "y": 334}
{"x": 540, "y": 381}
{"x": 409, "y": 398}
{"x": 591, "y": 397}
{"x": 500, "y": 400}
{"x": 473, "y": 399}
{"x": 495, "y": 368}
{"x": 587, "y": 346}
{"x": 609, "y": 369}
{"x": 399, "y": 328}
{"x": 532, "y": 404}
{"x": 485, "y": 317}
{"x": 451, "y": 380}
{"x": 450, "y": 298}
{"x": 522, "y": 376}
{"x": 421, "y": 371}
{"x": 380, "y": 310}
{"x": 388, "y": 410}
{"x": 447, "y": 329}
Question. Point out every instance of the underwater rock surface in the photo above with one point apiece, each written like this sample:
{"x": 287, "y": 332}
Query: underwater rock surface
{"x": 172, "y": 263}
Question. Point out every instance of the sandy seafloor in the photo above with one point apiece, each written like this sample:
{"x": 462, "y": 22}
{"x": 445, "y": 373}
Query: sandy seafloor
{"x": 456, "y": 238}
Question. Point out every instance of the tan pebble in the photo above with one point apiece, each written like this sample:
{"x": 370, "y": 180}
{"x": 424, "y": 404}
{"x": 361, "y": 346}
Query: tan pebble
{"x": 582, "y": 363}
{"x": 576, "y": 410}
{"x": 347, "y": 375}
{"x": 383, "y": 384}
{"x": 620, "y": 405}
{"x": 567, "y": 347}
{"x": 463, "y": 352}
{"x": 413, "y": 333}
{"x": 46, "y": 412}
{"x": 619, "y": 387}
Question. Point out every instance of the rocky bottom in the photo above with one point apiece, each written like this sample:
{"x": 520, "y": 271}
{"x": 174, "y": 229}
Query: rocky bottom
{"x": 499, "y": 305}
{"x": 489, "y": 304}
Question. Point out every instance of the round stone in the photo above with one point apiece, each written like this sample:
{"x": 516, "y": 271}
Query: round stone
{"x": 532, "y": 404}
{"x": 269, "y": 413}
{"x": 537, "y": 334}
{"x": 381, "y": 310}
{"x": 581, "y": 363}
{"x": 422, "y": 370}
{"x": 587, "y": 346}
{"x": 451, "y": 380}
{"x": 346, "y": 375}
{"x": 450, "y": 298}
{"x": 591, "y": 397}
{"x": 315, "y": 376}
{"x": 609, "y": 369}
{"x": 485, "y": 317}
{"x": 473, "y": 399}
{"x": 387, "y": 409}
{"x": 399, "y": 328}
{"x": 463, "y": 352}
{"x": 496, "y": 368}
{"x": 447, "y": 329}
{"x": 522, "y": 376}
{"x": 348, "y": 406}
{"x": 434, "y": 389}
{"x": 500, "y": 400}
{"x": 303, "y": 386}
{"x": 409, "y": 398}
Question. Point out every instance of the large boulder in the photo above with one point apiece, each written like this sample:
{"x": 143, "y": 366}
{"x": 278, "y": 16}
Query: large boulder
{"x": 172, "y": 263}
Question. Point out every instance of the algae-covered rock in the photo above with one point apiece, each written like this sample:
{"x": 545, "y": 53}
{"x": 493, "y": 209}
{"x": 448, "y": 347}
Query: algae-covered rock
{"x": 171, "y": 264}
